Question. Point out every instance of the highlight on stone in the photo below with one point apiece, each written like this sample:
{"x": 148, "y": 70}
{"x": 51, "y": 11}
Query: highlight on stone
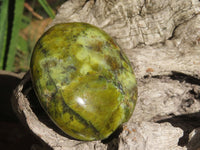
{"x": 83, "y": 80}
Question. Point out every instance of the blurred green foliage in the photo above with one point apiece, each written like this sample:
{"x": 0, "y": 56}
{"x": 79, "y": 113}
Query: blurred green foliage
{"x": 12, "y": 20}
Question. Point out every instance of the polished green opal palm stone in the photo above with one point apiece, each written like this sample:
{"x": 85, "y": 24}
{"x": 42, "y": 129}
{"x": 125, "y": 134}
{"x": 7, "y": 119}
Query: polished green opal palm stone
{"x": 83, "y": 80}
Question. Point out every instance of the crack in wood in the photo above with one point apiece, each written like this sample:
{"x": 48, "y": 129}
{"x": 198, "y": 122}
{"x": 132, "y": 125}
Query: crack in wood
{"x": 181, "y": 77}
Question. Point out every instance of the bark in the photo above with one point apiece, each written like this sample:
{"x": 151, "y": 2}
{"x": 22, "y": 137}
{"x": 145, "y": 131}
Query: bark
{"x": 162, "y": 40}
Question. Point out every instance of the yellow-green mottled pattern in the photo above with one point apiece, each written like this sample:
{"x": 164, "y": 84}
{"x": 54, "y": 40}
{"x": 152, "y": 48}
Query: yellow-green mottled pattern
{"x": 83, "y": 81}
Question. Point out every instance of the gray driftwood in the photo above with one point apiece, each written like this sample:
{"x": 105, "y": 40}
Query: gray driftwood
{"x": 162, "y": 40}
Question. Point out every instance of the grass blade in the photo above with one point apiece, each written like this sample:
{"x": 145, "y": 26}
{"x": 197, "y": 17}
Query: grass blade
{"x": 18, "y": 12}
{"x": 47, "y": 8}
{"x": 3, "y": 30}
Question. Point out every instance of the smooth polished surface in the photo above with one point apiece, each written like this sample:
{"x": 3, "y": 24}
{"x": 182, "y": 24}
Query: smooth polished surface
{"x": 83, "y": 81}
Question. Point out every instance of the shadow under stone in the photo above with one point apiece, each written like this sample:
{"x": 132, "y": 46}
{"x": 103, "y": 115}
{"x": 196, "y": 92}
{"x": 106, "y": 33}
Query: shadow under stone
{"x": 113, "y": 140}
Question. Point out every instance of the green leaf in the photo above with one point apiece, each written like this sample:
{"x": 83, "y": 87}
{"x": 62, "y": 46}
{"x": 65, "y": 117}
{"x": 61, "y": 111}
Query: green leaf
{"x": 18, "y": 12}
{"x": 3, "y": 30}
{"x": 47, "y": 8}
{"x": 22, "y": 45}
{"x": 25, "y": 22}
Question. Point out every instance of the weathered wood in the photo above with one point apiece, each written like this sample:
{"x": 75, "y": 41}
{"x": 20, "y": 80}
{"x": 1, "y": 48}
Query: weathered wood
{"x": 161, "y": 38}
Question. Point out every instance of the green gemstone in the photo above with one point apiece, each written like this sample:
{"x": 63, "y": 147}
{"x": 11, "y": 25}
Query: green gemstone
{"x": 83, "y": 81}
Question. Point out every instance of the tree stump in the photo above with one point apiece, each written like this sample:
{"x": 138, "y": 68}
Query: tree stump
{"x": 162, "y": 40}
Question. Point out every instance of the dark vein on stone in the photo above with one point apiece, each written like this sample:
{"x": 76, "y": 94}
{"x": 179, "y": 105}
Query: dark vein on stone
{"x": 71, "y": 111}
